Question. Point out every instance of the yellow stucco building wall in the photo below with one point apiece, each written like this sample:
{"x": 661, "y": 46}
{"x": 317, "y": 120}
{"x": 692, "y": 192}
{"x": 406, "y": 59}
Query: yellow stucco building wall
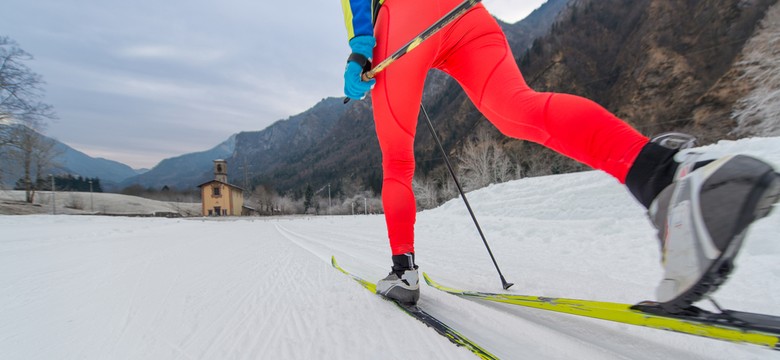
{"x": 221, "y": 199}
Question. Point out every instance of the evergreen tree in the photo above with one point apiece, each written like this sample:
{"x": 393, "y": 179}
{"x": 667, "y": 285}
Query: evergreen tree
{"x": 308, "y": 198}
{"x": 62, "y": 183}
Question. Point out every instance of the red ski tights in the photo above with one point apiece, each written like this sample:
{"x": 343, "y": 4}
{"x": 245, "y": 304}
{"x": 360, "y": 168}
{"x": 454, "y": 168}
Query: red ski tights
{"x": 474, "y": 51}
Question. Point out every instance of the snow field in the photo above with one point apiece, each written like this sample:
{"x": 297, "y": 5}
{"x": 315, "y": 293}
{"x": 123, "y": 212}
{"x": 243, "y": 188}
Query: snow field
{"x": 86, "y": 287}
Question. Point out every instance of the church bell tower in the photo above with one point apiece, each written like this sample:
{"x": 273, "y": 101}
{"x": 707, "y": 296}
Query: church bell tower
{"x": 220, "y": 170}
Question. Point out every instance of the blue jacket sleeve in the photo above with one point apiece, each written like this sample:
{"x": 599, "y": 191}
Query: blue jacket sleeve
{"x": 358, "y": 17}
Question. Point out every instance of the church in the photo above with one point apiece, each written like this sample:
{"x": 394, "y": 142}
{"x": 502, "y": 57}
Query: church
{"x": 219, "y": 198}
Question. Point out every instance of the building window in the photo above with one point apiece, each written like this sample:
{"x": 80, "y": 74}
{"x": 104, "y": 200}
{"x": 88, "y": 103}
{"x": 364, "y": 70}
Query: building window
{"x": 216, "y": 191}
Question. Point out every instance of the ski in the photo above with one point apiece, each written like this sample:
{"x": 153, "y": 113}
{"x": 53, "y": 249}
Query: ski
{"x": 418, "y": 313}
{"x": 728, "y": 325}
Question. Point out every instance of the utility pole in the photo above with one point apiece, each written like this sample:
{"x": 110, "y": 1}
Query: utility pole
{"x": 91, "y": 200}
{"x": 53, "y": 209}
{"x": 246, "y": 175}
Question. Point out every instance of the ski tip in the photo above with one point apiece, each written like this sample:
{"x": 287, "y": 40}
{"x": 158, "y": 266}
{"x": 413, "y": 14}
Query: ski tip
{"x": 441, "y": 287}
{"x": 427, "y": 279}
{"x": 333, "y": 261}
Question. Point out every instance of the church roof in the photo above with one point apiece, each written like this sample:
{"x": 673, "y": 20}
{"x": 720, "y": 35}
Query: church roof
{"x": 221, "y": 182}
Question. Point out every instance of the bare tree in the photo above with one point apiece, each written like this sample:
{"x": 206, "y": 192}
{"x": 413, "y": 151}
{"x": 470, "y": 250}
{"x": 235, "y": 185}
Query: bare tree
{"x": 3, "y": 152}
{"x": 425, "y": 192}
{"x": 263, "y": 199}
{"x": 445, "y": 184}
{"x": 289, "y": 206}
{"x": 21, "y": 89}
{"x": 34, "y": 153}
{"x": 23, "y": 114}
{"x": 484, "y": 162}
{"x": 758, "y": 113}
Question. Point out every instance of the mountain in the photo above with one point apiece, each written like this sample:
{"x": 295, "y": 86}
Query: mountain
{"x": 183, "y": 172}
{"x": 287, "y": 142}
{"x": 659, "y": 65}
{"x": 521, "y": 34}
{"x": 349, "y": 158}
{"x": 329, "y": 143}
{"x": 71, "y": 161}
{"x": 75, "y": 162}
{"x": 248, "y": 153}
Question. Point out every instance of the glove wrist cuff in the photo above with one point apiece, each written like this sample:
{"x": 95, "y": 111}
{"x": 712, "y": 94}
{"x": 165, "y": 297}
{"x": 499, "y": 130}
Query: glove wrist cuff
{"x": 361, "y": 60}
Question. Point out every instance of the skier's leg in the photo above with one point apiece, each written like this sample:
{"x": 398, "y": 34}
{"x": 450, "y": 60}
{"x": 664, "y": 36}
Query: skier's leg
{"x": 702, "y": 209}
{"x": 396, "y": 101}
{"x": 579, "y": 128}
{"x": 396, "y": 98}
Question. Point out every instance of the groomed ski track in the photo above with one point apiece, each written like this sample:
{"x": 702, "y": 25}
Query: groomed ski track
{"x": 128, "y": 288}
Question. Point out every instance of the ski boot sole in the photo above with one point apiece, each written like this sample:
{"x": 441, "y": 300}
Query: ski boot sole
{"x": 401, "y": 295}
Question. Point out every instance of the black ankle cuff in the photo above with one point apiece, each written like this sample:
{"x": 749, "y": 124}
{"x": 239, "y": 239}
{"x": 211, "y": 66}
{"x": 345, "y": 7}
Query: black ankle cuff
{"x": 403, "y": 262}
{"x": 652, "y": 171}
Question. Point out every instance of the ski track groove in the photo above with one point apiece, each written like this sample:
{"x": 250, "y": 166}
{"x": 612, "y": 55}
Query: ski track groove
{"x": 435, "y": 344}
{"x": 268, "y": 299}
{"x": 621, "y": 345}
{"x": 160, "y": 313}
{"x": 300, "y": 328}
{"x": 129, "y": 313}
{"x": 166, "y": 255}
{"x": 224, "y": 320}
{"x": 310, "y": 243}
{"x": 243, "y": 325}
{"x": 291, "y": 316}
{"x": 129, "y": 320}
{"x": 630, "y": 346}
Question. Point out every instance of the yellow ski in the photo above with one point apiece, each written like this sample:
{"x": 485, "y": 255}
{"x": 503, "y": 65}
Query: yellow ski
{"x": 729, "y": 325}
{"x": 416, "y": 312}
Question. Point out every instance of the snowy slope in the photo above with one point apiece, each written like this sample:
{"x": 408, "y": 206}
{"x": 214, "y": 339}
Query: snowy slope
{"x": 83, "y": 287}
{"x": 85, "y": 203}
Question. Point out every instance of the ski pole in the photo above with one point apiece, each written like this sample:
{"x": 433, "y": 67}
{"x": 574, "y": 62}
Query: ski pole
{"x": 505, "y": 284}
{"x": 427, "y": 33}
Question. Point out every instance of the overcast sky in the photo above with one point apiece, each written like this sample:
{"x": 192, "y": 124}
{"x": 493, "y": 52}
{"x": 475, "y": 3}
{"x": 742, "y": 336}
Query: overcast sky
{"x": 140, "y": 81}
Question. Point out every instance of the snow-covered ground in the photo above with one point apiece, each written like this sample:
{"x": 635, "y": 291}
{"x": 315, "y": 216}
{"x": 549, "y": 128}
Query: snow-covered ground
{"x": 88, "y": 287}
{"x": 81, "y": 203}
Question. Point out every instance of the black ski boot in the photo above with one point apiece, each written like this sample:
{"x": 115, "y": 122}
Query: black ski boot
{"x": 702, "y": 215}
{"x": 403, "y": 282}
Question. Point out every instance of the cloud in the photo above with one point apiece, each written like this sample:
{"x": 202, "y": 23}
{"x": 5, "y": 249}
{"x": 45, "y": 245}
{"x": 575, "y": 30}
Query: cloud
{"x": 192, "y": 56}
{"x": 181, "y": 74}
{"x": 512, "y": 11}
